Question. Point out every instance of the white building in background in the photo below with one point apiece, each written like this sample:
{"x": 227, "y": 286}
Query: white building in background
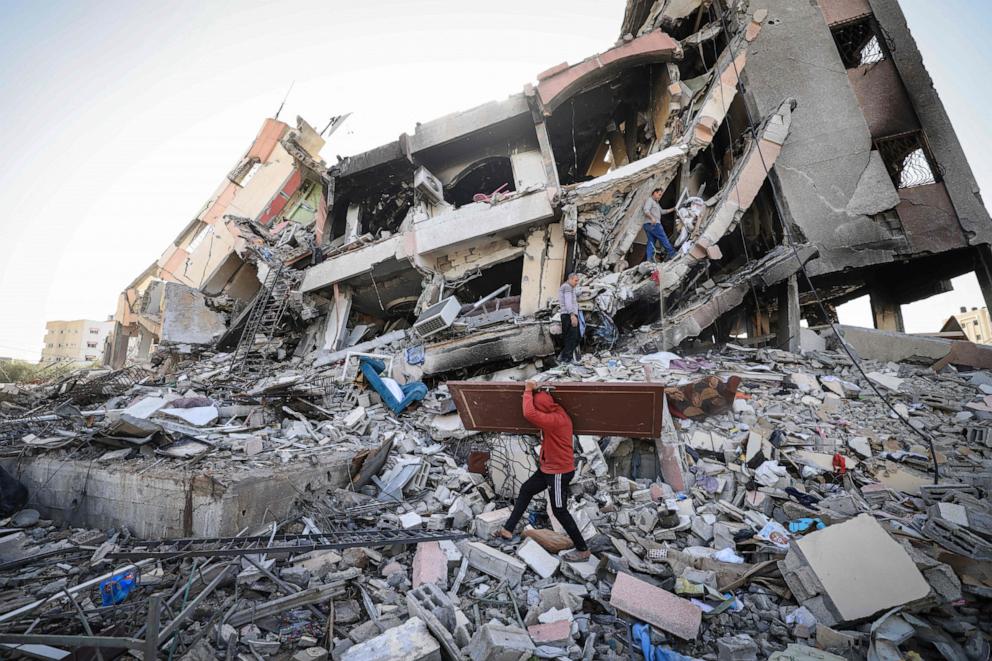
{"x": 974, "y": 324}
{"x": 80, "y": 341}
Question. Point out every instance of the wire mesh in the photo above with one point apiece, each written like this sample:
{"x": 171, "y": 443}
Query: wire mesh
{"x": 858, "y": 42}
{"x": 908, "y": 161}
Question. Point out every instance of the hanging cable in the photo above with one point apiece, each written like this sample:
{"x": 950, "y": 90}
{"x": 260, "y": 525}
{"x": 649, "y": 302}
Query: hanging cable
{"x": 716, "y": 166}
{"x": 787, "y": 234}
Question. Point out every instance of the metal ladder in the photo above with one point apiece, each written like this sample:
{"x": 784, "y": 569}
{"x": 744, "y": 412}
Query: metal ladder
{"x": 270, "y": 544}
{"x": 266, "y": 313}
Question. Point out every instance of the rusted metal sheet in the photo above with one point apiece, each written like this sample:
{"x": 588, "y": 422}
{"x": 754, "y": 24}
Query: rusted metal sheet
{"x": 597, "y": 409}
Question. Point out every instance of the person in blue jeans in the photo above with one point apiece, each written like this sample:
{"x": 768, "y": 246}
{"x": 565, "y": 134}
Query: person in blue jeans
{"x": 653, "y": 229}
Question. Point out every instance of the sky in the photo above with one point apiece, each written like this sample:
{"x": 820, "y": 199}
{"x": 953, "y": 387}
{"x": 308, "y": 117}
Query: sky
{"x": 119, "y": 119}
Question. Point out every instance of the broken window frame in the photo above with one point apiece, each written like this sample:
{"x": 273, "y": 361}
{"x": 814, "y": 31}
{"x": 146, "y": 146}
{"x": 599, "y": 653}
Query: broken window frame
{"x": 909, "y": 159}
{"x": 244, "y": 171}
{"x": 860, "y": 41}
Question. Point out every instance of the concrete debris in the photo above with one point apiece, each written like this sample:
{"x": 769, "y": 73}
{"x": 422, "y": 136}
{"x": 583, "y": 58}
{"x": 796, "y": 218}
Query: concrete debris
{"x": 410, "y": 641}
{"x": 874, "y": 573}
{"x": 307, "y": 437}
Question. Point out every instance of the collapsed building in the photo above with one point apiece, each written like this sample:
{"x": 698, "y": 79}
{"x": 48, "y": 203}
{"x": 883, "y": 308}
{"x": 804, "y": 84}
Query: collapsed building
{"x": 250, "y": 406}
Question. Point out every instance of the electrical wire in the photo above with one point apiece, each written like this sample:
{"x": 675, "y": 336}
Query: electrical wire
{"x": 730, "y": 150}
{"x": 786, "y": 232}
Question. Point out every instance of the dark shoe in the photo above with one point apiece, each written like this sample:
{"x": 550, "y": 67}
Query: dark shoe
{"x": 577, "y": 556}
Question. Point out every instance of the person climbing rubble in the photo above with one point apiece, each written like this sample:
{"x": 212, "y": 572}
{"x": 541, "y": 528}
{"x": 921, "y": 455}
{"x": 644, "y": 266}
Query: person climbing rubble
{"x": 653, "y": 229}
{"x": 569, "y": 304}
{"x": 556, "y": 468}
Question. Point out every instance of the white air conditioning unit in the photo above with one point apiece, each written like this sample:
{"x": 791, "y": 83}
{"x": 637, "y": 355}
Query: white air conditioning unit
{"x": 428, "y": 185}
{"x": 437, "y": 317}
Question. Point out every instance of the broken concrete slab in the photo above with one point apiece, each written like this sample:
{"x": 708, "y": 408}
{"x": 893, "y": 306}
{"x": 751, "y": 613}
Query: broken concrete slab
{"x": 411, "y": 641}
{"x": 889, "y": 346}
{"x": 872, "y": 574}
{"x": 199, "y": 416}
{"x": 430, "y": 565}
{"x": 542, "y": 562}
{"x": 656, "y": 606}
{"x": 184, "y": 318}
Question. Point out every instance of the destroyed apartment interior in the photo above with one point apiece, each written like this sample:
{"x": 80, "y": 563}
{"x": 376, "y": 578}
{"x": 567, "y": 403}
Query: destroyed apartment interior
{"x": 307, "y": 436}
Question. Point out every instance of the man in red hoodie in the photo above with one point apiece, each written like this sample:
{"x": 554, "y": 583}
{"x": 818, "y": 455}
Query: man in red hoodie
{"x": 557, "y": 466}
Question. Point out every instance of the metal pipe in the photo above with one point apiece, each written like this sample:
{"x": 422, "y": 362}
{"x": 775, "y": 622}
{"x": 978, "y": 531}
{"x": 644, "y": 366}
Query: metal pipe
{"x": 488, "y": 297}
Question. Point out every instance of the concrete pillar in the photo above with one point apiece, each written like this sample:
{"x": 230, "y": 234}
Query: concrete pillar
{"x": 787, "y": 328}
{"x": 885, "y": 310}
{"x": 118, "y": 348}
{"x": 661, "y": 99}
{"x": 983, "y": 272}
{"x": 547, "y": 155}
{"x": 145, "y": 345}
{"x": 337, "y": 318}
{"x": 352, "y": 224}
{"x": 757, "y": 324}
{"x": 544, "y": 268}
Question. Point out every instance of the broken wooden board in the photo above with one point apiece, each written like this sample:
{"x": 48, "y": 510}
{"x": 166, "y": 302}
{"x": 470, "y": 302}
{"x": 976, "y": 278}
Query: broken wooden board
{"x": 597, "y": 409}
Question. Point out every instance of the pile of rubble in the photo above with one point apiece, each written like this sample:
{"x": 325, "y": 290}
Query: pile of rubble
{"x": 311, "y": 428}
{"x": 803, "y": 515}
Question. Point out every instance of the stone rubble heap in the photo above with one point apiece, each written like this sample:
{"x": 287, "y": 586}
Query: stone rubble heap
{"x": 810, "y": 526}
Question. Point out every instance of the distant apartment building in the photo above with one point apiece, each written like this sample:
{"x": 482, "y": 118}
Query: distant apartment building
{"x": 974, "y": 324}
{"x": 80, "y": 341}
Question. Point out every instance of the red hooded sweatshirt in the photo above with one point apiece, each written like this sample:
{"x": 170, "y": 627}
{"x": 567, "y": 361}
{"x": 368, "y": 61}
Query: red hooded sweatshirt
{"x": 547, "y": 415}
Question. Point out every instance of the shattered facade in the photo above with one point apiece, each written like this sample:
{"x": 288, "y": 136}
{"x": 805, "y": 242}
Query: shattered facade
{"x": 309, "y": 428}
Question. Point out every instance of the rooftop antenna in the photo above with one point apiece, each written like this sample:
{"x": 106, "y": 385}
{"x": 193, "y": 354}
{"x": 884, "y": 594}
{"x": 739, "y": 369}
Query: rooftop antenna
{"x": 284, "y": 99}
{"x": 334, "y": 123}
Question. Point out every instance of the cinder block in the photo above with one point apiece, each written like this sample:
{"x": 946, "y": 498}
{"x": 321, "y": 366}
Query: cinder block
{"x": 495, "y": 642}
{"x": 451, "y": 552}
{"x": 493, "y": 562}
{"x": 488, "y": 523}
{"x": 432, "y": 605}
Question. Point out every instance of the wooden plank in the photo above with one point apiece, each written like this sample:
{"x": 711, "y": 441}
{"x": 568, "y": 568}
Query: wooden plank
{"x": 597, "y": 409}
